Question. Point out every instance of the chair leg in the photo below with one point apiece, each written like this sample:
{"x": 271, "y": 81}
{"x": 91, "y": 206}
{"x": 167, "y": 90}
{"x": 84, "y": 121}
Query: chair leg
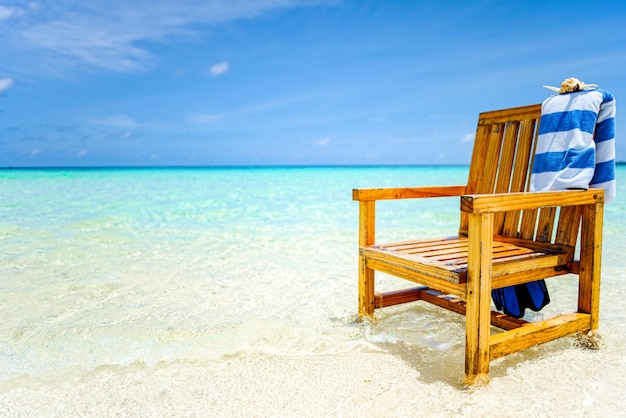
{"x": 590, "y": 263}
{"x": 478, "y": 314}
{"x": 366, "y": 289}
{"x": 367, "y": 227}
{"x": 477, "y": 348}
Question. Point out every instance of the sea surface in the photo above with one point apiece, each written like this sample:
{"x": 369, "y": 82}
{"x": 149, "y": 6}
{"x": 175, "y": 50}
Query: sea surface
{"x": 108, "y": 275}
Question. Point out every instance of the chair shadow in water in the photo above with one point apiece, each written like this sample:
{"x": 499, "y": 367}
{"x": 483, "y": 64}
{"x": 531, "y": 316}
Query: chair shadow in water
{"x": 432, "y": 342}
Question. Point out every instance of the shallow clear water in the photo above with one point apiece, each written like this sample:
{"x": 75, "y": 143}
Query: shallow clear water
{"x": 133, "y": 270}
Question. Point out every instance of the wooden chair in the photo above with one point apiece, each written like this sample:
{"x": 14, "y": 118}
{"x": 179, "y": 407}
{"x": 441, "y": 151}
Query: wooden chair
{"x": 507, "y": 236}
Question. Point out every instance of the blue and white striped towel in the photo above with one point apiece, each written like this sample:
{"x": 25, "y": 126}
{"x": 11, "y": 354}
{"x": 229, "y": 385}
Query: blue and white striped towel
{"x": 576, "y": 143}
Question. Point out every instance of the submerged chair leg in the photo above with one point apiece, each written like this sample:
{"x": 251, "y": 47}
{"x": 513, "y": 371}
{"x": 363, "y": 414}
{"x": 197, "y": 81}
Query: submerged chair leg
{"x": 367, "y": 211}
{"x": 366, "y": 289}
{"x": 478, "y": 314}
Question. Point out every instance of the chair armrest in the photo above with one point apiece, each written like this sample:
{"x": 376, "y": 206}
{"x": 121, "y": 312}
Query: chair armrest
{"x": 491, "y": 203}
{"x": 407, "y": 192}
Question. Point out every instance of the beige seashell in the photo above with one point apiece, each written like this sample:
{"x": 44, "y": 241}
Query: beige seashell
{"x": 571, "y": 85}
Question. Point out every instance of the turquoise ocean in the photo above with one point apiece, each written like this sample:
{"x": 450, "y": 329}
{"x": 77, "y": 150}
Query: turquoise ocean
{"x": 233, "y": 292}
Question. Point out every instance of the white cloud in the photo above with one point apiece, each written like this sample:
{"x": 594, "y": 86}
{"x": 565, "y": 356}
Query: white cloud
{"x": 112, "y": 35}
{"x": 468, "y": 137}
{"x": 5, "y": 84}
{"x": 204, "y": 117}
{"x": 8, "y": 12}
{"x": 116, "y": 121}
{"x": 90, "y": 41}
{"x": 219, "y": 68}
{"x": 252, "y": 109}
{"x": 81, "y": 153}
{"x": 323, "y": 141}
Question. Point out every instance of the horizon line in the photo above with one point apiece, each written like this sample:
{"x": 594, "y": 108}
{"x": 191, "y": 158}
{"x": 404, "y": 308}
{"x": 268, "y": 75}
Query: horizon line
{"x": 97, "y": 167}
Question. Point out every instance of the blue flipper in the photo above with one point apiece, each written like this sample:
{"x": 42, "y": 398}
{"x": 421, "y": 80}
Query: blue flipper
{"x": 514, "y": 300}
{"x": 507, "y": 300}
{"x": 537, "y": 295}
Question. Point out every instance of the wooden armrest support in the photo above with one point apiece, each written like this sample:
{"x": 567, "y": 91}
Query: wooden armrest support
{"x": 491, "y": 203}
{"x": 407, "y": 192}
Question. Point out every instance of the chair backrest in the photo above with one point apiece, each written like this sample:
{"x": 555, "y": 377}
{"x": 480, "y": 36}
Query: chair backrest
{"x": 502, "y": 161}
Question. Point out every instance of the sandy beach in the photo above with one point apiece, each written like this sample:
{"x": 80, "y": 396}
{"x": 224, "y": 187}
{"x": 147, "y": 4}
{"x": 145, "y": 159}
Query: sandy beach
{"x": 126, "y": 303}
{"x": 358, "y": 383}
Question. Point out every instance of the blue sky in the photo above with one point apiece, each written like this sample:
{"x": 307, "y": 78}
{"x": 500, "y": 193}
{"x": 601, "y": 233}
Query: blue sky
{"x": 285, "y": 82}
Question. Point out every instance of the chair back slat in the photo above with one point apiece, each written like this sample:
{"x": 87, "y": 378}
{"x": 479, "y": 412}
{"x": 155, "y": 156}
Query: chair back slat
{"x": 545, "y": 226}
{"x": 502, "y": 161}
{"x": 490, "y": 171}
{"x": 569, "y": 223}
{"x": 519, "y": 182}
{"x": 528, "y": 224}
{"x": 505, "y": 168}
